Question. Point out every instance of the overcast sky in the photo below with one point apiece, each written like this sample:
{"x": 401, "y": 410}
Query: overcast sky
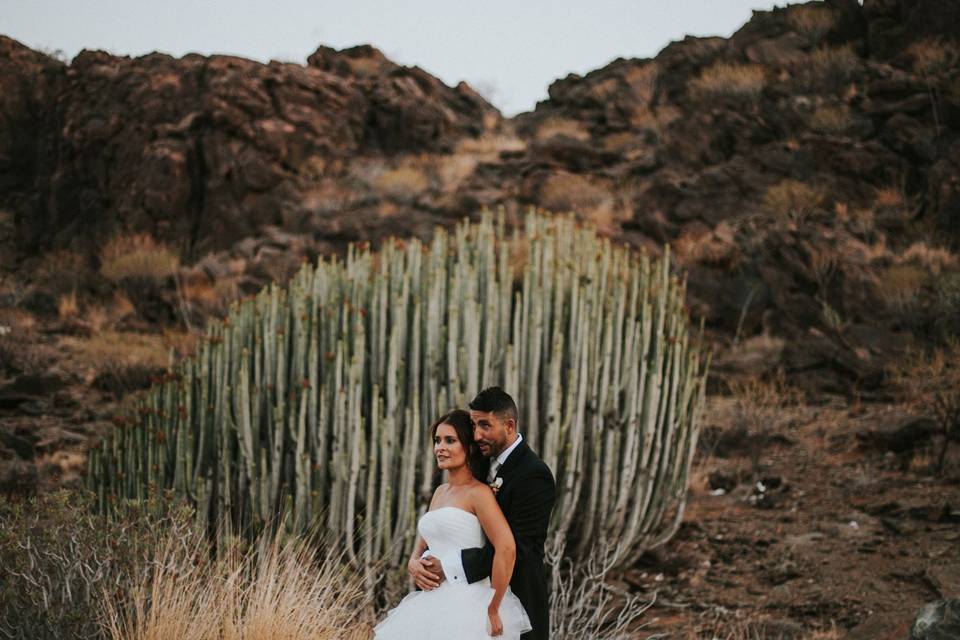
{"x": 509, "y": 51}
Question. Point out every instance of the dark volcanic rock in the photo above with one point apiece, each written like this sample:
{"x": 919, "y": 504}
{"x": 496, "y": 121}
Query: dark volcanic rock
{"x": 937, "y": 621}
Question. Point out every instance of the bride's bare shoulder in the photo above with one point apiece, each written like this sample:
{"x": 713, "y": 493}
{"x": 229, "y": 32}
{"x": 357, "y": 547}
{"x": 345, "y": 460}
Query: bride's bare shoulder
{"x": 480, "y": 491}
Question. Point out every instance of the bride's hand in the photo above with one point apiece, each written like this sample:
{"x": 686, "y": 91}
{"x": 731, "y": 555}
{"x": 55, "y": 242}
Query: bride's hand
{"x": 496, "y": 626}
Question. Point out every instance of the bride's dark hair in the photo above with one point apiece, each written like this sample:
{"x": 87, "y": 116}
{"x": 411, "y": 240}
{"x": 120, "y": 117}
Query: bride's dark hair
{"x": 463, "y": 425}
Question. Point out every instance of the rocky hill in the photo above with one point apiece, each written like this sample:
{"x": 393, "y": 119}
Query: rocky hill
{"x": 805, "y": 171}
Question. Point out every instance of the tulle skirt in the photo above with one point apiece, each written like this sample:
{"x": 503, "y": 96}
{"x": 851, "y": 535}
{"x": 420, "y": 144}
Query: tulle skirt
{"x": 452, "y": 612}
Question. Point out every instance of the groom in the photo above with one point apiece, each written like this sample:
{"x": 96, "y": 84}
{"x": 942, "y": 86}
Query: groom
{"x": 526, "y": 493}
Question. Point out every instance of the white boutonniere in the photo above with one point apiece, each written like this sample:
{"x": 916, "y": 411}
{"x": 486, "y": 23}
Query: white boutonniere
{"x": 496, "y": 484}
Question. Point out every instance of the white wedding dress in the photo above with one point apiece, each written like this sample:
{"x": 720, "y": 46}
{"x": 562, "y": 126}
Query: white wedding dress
{"x": 452, "y": 611}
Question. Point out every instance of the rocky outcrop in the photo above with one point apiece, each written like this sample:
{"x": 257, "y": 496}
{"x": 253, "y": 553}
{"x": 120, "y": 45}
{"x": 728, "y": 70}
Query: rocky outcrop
{"x": 204, "y": 151}
{"x": 790, "y": 166}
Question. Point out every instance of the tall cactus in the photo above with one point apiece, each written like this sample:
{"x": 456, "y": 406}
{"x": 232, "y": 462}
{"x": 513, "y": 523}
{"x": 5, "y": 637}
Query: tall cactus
{"x": 317, "y": 397}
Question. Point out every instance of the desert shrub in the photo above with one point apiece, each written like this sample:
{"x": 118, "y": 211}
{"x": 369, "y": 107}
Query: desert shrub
{"x": 584, "y": 603}
{"x": 57, "y": 559}
{"x": 899, "y": 286}
{"x": 403, "y": 184}
{"x": 760, "y": 403}
{"x": 137, "y": 257}
{"x": 811, "y": 21}
{"x": 62, "y": 271}
{"x": 832, "y": 66}
{"x": 830, "y": 119}
{"x": 945, "y": 305}
{"x": 931, "y": 57}
{"x": 793, "y": 199}
{"x": 121, "y": 362}
{"x": 930, "y": 381}
{"x": 729, "y": 80}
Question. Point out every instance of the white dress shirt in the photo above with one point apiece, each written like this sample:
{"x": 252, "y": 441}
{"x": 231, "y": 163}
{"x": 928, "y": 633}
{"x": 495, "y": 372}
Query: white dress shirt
{"x": 453, "y": 564}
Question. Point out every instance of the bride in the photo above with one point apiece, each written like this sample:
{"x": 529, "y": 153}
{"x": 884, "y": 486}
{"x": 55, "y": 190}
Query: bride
{"x": 461, "y": 512}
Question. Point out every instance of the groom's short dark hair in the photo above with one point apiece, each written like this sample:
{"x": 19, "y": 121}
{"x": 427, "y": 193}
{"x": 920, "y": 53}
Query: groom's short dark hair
{"x": 496, "y": 400}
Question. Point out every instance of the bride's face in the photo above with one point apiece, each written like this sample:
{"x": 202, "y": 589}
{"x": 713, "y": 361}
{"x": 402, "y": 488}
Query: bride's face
{"x": 448, "y": 449}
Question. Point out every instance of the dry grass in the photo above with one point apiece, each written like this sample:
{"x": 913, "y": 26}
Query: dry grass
{"x": 933, "y": 260}
{"x": 931, "y": 383}
{"x": 811, "y": 21}
{"x": 833, "y": 65}
{"x": 453, "y": 170}
{"x": 931, "y": 57}
{"x": 830, "y": 119}
{"x": 716, "y": 248}
{"x": 275, "y": 591}
{"x": 403, "y": 184}
{"x": 137, "y": 257}
{"x": 555, "y": 126}
{"x": 726, "y": 80}
{"x": 120, "y": 362}
{"x": 888, "y": 197}
{"x": 760, "y": 404}
{"x": 491, "y": 144}
{"x": 793, "y": 199}
{"x": 562, "y": 192}
{"x": 62, "y": 271}
{"x": 68, "y": 306}
{"x": 899, "y": 286}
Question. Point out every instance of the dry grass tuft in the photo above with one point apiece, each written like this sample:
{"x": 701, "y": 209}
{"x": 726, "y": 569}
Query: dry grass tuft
{"x": 726, "y": 80}
{"x": 491, "y": 144}
{"x": 811, "y": 21}
{"x": 555, "y": 126}
{"x": 137, "y": 257}
{"x": 931, "y": 382}
{"x": 934, "y": 260}
{"x": 68, "y": 306}
{"x": 562, "y": 192}
{"x": 931, "y": 57}
{"x": 403, "y": 184}
{"x": 899, "y": 286}
{"x": 888, "y": 197}
{"x": 760, "y": 405}
{"x": 830, "y": 119}
{"x": 277, "y": 590}
{"x": 793, "y": 199}
{"x": 833, "y": 65}
{"x": 120, "y": 362}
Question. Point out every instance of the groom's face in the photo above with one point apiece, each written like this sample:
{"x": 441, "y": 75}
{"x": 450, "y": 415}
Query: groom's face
{"x": 491, "y": 432}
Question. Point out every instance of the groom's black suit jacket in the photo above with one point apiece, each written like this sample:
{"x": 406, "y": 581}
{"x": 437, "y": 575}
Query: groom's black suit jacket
{"x": 526, "y": 498}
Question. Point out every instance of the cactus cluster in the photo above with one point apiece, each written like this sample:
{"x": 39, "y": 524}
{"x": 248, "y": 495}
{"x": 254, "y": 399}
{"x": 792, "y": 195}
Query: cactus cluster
{"x": 314, "y": 399}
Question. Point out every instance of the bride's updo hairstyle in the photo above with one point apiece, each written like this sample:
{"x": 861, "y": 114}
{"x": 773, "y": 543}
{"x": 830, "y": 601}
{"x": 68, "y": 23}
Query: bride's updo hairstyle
{"x": 463, "y": 425}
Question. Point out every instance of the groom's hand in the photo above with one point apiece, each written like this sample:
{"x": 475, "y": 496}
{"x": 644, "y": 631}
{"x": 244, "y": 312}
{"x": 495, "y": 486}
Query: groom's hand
{"x": 424, "y": 575}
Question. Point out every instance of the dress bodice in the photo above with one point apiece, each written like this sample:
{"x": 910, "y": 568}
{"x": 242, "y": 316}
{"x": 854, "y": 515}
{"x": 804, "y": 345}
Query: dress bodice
{"x": 449, "y": 529}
